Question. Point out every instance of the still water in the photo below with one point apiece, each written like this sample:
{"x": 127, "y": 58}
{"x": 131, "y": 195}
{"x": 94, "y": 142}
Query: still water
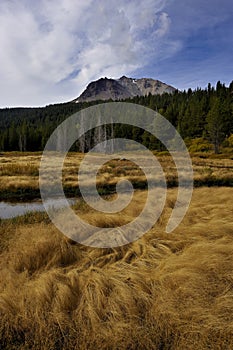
{"x": 10, "y": 210}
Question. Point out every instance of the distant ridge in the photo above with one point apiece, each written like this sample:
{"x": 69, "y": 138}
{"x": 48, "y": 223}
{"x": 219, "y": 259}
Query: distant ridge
{"x": 117, "y": 89}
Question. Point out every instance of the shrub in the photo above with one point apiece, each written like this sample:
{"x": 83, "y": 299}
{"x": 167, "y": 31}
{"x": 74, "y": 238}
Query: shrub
{"x": 198, "y": 145}
{"x": 229, "y": 141}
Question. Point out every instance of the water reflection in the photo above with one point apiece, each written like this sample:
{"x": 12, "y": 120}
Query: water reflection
{"x": 11, "y": 210}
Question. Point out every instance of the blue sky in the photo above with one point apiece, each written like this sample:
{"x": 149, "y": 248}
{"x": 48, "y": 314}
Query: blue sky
{"x": 51, "y": 49}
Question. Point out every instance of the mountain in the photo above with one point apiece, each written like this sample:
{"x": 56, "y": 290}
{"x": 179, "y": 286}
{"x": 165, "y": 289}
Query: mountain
{"x": 117, "y": 89}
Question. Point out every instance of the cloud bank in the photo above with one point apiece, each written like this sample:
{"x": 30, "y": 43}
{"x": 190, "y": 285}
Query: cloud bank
{"x": 50, "y": 50}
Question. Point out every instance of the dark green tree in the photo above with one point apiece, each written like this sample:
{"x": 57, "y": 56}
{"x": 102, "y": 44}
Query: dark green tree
{"x": 215, "y": 124}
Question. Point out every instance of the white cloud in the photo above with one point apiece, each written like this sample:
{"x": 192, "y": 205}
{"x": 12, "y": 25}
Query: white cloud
{"x": 51, "y": 49}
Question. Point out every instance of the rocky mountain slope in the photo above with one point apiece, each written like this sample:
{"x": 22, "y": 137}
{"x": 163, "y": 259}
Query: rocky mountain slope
{"x": 116, "y": 89}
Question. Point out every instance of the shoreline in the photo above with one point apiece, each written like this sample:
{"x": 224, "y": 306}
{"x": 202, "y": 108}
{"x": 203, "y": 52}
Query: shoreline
{"x": 27, "y": 194}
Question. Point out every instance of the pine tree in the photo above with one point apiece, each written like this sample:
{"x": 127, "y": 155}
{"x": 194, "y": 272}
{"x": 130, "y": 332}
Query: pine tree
{"x": 215, "y": 125}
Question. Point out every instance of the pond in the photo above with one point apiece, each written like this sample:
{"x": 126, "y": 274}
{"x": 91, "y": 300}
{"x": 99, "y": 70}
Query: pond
{"x": 10, "y": 210}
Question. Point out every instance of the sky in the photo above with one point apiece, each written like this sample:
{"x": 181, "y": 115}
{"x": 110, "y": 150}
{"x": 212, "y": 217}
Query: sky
{"x": 51, "y": 49}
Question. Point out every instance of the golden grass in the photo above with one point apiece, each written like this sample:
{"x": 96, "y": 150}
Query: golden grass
{"x": 164, "y": 291}
{"x": 20, "y": 172}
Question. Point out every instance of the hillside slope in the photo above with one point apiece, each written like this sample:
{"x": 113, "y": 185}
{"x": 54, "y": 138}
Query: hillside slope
{"x": 116, "y": 89}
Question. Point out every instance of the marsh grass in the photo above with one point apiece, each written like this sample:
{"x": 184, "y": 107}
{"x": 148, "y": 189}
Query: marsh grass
{"x": 164, "y": 291}
{"x": 19, "y": 173}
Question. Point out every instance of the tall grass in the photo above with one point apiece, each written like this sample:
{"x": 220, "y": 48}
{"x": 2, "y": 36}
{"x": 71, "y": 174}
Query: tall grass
{"x": 164, "y": 291}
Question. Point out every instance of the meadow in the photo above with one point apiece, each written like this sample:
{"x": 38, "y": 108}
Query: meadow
{"x": 163, "y": 291}
{"x": 19, "y": 173}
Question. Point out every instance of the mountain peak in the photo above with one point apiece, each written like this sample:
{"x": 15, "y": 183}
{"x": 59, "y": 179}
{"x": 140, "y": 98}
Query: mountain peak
{"x": 122, "y": 88}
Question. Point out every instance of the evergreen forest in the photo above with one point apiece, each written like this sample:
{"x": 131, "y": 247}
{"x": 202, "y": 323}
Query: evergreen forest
{"x": 203, "y": 114}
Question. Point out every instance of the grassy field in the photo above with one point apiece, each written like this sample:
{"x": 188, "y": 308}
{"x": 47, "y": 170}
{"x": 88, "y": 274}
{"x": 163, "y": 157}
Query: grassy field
{"x": 164, "y": 291}
{"x": 19, "y": 173}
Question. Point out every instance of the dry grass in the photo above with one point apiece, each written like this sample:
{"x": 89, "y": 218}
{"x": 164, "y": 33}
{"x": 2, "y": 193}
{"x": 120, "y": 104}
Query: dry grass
{"x": 20, "y": 172}
{"x": 165, "y": 291}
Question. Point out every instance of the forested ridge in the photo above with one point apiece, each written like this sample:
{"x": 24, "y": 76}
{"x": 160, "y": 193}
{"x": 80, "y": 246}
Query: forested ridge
{"x": 200, "y": 113}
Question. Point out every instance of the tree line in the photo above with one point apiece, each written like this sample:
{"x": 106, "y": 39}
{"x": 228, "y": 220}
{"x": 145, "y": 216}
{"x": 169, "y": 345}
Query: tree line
{"x": 200, "y": 113}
